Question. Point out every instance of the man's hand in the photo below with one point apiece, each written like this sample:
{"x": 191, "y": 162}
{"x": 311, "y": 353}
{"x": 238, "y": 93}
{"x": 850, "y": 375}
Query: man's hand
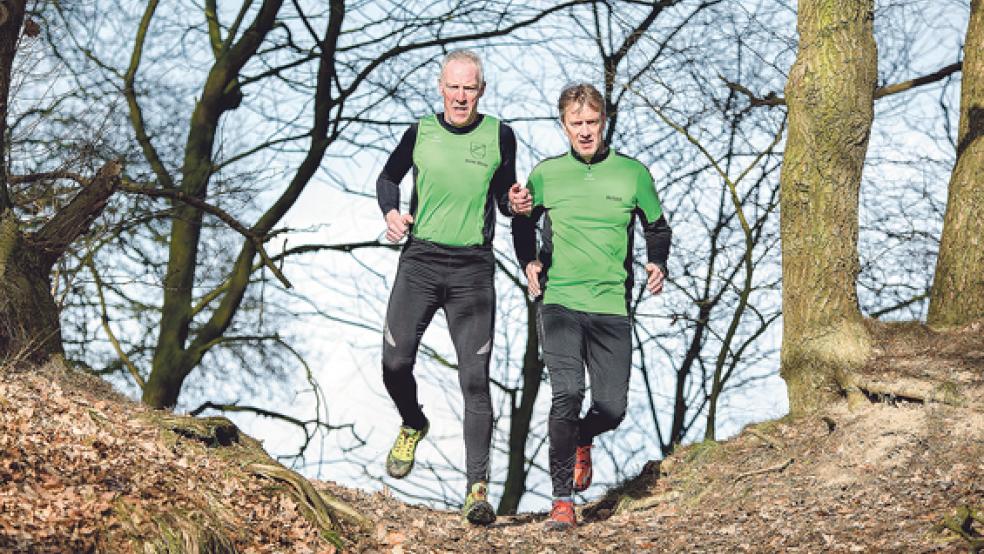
{"x": 654, "y": 281}
{"x": 397, "y": 225}
{"x": 520, "y": 200}
{"x": 533, "y": 270}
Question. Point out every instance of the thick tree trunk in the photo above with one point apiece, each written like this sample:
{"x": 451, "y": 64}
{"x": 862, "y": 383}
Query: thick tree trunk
{"x": 11, "y": 20}
{"x": 29, "y": 325}
{"x": 957, "y": 296}
{"x": 520, "y": 418}
{"x": 29, "y": 318}
{"x": 830, "y": 98}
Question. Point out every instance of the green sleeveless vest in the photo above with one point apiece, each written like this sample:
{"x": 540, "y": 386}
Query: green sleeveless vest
{"x": 452, "y": 176}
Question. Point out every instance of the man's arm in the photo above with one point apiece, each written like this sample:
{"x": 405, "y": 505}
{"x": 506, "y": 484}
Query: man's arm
{"x": 657, "y": 236}
{"x": 524, "y": 242}
{"x": 399, "y": 163}
{"x": 655, "y": 230}
{"x": 505, "y": 175}
{"x": 524, "y": 236}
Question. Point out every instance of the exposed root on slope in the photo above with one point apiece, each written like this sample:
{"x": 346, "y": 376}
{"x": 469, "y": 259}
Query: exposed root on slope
{"x": 320, "y": 508}
{"x": 962, "y": 524}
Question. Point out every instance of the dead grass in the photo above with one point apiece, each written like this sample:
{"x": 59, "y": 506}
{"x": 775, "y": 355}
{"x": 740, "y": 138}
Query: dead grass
{"x": 82, "y": 469}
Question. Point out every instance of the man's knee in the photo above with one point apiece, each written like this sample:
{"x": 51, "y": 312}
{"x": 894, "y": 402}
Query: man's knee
{"x": 394, "y": 364}
{"x": 611, "y": 412}
{"x": 566, "y": 402}
{"x": 475, "y": 391}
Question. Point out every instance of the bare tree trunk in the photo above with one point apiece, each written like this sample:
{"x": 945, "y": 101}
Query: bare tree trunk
{"x": 957, "y": 296}
{"x": 519, "y": 419}
{"x": 174, "y": 358}
{"x": 830, "y": 97}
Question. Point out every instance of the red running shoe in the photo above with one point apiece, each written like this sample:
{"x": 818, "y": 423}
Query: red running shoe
{"x": 561, "y": 516}
{"x": 582, "y": 468}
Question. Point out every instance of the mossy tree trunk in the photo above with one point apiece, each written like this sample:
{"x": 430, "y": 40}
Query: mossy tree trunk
{"x": 957, "y": 296}
{"x": 29, "y": 325}
{"x": 175, "y": 356}
{"x": 29, "y": 321}
{"x": 830, "y": 98}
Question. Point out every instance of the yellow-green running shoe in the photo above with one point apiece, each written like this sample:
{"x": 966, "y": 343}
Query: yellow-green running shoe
{"x": 400, "y": 459}
{"x": 477, "y": 509}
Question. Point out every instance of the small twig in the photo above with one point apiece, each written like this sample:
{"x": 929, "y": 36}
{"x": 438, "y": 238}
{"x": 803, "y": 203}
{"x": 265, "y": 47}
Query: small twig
{"x": 773, "y": 99}
{"x": 775, "y": 445}
{"x": 134, "y": 372}
{"x": 776, "y": 468}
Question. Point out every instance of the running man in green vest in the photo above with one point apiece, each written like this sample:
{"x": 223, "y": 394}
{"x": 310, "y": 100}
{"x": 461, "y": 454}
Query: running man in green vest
{"x": 463, "y": 165}
{"x": 589, "y": 198}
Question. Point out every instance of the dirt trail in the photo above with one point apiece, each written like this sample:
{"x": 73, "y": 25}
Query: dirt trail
{"x": 83, "y": 469}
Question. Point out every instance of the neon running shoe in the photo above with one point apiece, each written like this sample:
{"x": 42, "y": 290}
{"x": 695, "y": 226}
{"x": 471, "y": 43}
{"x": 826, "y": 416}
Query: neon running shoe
{"x": 477, "y": 509}
{"x": 561, "y": 516}
{"x": 400, "y": 459}
{"x": 582, "y": 468}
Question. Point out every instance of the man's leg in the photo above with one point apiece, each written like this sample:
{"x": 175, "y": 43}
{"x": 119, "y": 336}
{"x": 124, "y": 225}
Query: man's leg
{"x": 608, "y": 345}
{"x": 563, "y": 353}
{"x": 413, "y": 301}
{"x": 470, "y": 310}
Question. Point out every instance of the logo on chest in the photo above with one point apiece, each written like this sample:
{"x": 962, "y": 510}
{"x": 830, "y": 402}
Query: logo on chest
{"x": 478, "y": 153}
{"x": 613, "y": 198}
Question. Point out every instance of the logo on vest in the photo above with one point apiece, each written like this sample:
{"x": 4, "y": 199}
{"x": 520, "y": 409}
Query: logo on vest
{"x": 478, "y": 152}
{"x": 614, "y": 198}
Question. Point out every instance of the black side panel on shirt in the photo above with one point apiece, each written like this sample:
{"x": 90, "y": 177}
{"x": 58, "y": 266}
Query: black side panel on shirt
{"x": 657, "y": 235}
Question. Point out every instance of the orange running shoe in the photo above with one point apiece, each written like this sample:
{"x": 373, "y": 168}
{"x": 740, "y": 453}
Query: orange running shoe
{"x": 582, "y": 468}
{"x": 561, "y": 516}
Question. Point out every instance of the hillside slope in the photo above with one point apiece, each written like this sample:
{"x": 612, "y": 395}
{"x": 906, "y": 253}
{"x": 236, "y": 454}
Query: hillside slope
{"x": 83, "y": 469}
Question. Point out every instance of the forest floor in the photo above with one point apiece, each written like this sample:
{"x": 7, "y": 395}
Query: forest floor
{"x": 83, "y": 469}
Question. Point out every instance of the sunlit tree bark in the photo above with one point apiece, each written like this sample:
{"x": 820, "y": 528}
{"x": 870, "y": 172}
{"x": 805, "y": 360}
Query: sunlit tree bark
{"x": 830, "y": 98}
{"x": 957, "y": 295}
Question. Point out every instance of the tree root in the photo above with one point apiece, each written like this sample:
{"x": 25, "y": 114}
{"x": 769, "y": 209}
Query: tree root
{"x": 629, "y": 504}
{"x": 321, "y": 508}
{"x": 762, "y": 437}
{"x": 961, "y": 523}
{"x": 777, "y": 468}
{"x": 919, "y": 392}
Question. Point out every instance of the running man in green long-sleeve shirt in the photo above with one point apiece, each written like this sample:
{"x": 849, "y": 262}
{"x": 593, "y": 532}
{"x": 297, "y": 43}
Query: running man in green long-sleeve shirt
{"x": 589, "y": 198}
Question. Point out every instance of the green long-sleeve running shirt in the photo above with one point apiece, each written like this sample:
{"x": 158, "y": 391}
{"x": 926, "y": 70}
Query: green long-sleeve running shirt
{"x": 590, "y": 209}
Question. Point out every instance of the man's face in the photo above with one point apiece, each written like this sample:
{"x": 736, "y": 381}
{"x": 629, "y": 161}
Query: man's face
{"x": 583, "y": 126}
{"x": 461, "y": 90}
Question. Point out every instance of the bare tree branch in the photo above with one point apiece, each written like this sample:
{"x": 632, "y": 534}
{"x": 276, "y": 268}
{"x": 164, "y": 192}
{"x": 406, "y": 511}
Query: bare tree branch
{"x": 773, "y": 99}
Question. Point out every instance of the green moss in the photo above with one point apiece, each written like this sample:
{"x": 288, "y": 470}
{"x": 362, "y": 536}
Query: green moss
{"x": 701, "y": 452}
{"x": 949, "y": 393}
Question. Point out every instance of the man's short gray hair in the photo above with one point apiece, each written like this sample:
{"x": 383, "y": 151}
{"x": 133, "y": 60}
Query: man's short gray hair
{"x": 462, "y": 56}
